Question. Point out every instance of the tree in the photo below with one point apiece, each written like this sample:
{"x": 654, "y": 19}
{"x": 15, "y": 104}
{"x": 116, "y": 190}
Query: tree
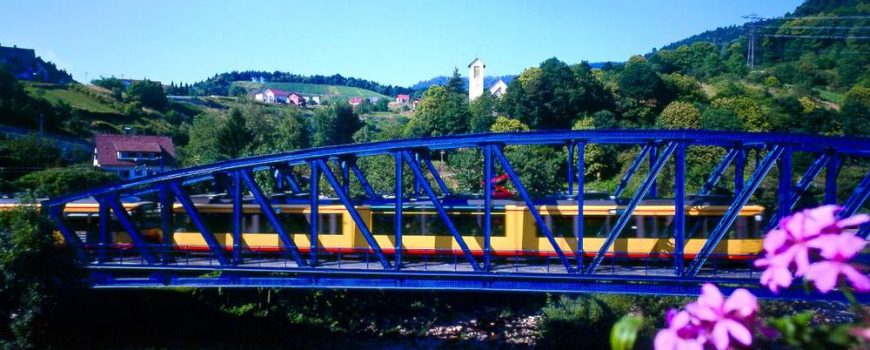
{"x": 679, "y": 115}
{"x": 455, "y": 85}
{"x": 335, "y": 125}
{"x": 203, "y": 146}
{"x": 720, "y": 119}
{"x": 747, "y": 110}
{"x": 292, "y": 132}
{"x": 57, "y": 181}
{"x": 237, "y": 91}
{"x": 233, "y": 138}
{"x": 440, "y": 113}
{"x": 483, "y": 111}
{"x": 505, "y": 124}
{"x": 148, "y": 94}
{"x": 639, "y": 81}
{"x": 553, "y": 95}
{"x": 37, "y": 276}
{"x": 855, "y": 113}
{"x": 538, "y": 166}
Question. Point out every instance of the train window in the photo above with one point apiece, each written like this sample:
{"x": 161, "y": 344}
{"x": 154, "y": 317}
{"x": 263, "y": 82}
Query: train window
{"x": 566, "y": 225}
{"x": 416, "y": 223}
{"x": 330, "y": 224}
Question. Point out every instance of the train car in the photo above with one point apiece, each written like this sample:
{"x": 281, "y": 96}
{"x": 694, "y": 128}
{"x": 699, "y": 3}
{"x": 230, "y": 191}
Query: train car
{"x": 514, "y": 230}
{"x": 83, "y": 219}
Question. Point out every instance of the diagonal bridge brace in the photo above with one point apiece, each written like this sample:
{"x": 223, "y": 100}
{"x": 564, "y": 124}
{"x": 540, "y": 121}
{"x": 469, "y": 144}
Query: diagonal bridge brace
{"x": 855, "y": 201}
{"x": 632, "y": 169}
{"x": 267, "y": 210}
{"x": 802, "y": 185}
{"x": 114, "y": 201}
{"x": 739, "y": 201}
{"x": 424, "y": 183}
{"x": 654, "y": 171}
{"x": 521, "y": 190}
{"x": 69, "y": 237}
{"x": 351, "y": 210}
{"x": 190, "y": 208}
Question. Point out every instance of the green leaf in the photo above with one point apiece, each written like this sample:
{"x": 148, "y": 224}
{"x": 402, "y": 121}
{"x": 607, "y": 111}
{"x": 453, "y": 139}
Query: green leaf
{"x": 624, "y": 332}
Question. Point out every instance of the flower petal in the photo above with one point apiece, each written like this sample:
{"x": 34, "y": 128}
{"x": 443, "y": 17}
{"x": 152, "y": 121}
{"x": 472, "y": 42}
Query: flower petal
{"x": 860, "y": 282}
{"x": 854, "y": 220}
{"x": 739, "y": 332}
{"x": 666, "y": 339}
{"x": 824, "y": 275}
{"x": 720, "y": 336}
{"x": 742, "y": 303}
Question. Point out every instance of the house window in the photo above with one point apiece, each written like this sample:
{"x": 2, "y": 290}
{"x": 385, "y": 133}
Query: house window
{"x": 476, "y": 71}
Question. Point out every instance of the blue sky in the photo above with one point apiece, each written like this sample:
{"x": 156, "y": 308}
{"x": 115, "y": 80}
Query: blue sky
{"x": 392, "y": 42}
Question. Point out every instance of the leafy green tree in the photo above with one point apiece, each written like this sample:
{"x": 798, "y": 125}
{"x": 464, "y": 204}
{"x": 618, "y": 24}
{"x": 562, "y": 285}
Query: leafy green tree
{"x": 505, "y": 124}
{"x": 483, "y": 111}
{"x": 57, "y": 181}
{"x": 37, "y": 276}
{"x": 455, "y": 85}
{"x": 855, "y": 113}
{"x": 29, "y": 152}
{"x": 720, "y": 119}
{"x": 233, "y": 138}
{"x": 148, "y": 94}
{"x": 292, "y": 132}
{"x": 203, "y": 146}
{"x": 238, "y": 91}
{"x": 440, "y": 113}
{"x": 640, "y": 81}
{"x": 749, "y": 112}
{"x": 679, "y": 115}
{"x": 335, "y": 125}
{"x": 538, "y": 166}
{"x": 383, "y": 105}
{"x": 554, "y": 94}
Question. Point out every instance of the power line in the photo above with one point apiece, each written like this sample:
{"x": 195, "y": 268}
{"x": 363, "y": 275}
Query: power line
{"x": 830, "y": 37}
{"x": 814, "y": 27}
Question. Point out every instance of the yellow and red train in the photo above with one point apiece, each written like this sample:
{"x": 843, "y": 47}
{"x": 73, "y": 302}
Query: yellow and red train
{"x": 514, "y": 231}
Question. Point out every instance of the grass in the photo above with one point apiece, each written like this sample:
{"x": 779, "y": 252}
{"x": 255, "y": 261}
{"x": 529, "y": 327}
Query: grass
{"x": 311, "y": 89}
{"x": 834, "y": 97}
{"x": 76, "y": 99}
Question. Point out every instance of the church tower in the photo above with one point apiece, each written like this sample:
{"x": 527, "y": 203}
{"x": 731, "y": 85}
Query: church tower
{"x": 475, "y": 78}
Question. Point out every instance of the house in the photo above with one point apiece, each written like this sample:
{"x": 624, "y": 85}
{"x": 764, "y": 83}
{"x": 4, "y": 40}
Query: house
{"x": 355, "y": 101}
{"x": 260, "y": 97}
{"x": 296, "y": 99}
{"x": 498, "y": 89}
{"x": 275, "y": 96}
{"x": 21, "y": 62}
{"x": 403, "y": 98}
{"x": 133, "y": 156}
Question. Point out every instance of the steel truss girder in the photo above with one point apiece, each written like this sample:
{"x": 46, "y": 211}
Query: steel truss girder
{"x": 855, "y": 146}
{"x": 69, "y": 237}
{"x": 351, "y": 210}
{"x": 361, "y": 177}
{"x": 623, "y": 183}
{"x": 718, "y": 171}
{"x": 654, "y": 171}
{"x": 484, "y": 282}
{"x": 806, "y": 180}
{"x": 855, "y": 201}
{"x": 114, "y": 202}
{"x": 740, "y": 200}
{"x": 421, "y": 180}
{"x": 212, "y": 243}
{"x": 521, "y": 190}
{"x": 247, "y": 177}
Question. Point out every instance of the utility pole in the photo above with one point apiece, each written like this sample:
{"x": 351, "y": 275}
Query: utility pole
{"x": 751, "y": 32}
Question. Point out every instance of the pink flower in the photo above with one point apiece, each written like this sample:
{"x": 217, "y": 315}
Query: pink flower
{"x": 838, "y": 250}
{"x": 681, "y": 333}
{"x": 728, "y": 319}
{"x": 790, "y": 245}
{"x": 712, "y": 320}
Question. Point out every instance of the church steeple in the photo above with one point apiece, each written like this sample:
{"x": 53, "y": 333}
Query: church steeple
{"x": 475, "y": 78}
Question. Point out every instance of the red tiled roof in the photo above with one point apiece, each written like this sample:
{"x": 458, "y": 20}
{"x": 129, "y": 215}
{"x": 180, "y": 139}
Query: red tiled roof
{"x": 108, "y": 146}
{"x": 356, "y": 99}
{"x": 277, "y": 92}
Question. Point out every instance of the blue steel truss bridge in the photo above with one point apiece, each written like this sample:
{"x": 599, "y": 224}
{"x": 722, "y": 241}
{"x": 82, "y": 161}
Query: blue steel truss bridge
{"x": 316, "y": 219}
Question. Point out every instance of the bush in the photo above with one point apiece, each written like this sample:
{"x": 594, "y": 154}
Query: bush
{"x": 56, "y": 181}
{"x": 566, "y": 323}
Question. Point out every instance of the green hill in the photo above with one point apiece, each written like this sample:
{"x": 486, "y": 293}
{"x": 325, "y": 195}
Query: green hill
{"x": 310, "y": 89}
{"x": 74, "y": 95}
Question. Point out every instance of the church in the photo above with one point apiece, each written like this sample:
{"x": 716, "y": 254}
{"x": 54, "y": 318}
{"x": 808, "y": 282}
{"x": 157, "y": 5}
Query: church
{"x": 476, "y": 81}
